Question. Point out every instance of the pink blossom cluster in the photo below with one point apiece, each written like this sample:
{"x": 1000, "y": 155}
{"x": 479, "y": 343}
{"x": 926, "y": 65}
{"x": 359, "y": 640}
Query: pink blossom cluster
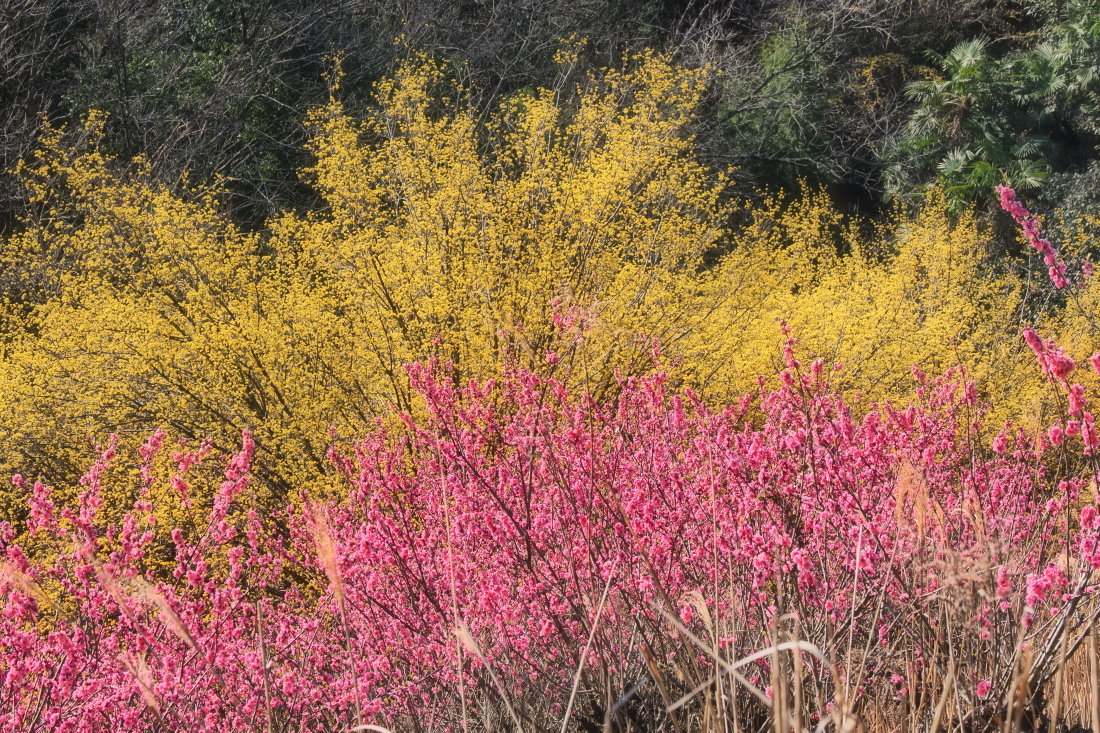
{"x": 1030, "y": 227}
{"x": 477, "y": 560}
{"x": 1052, "y": 360}
{"x": 1057, "y": 367}
{"x": 1075, "y": 422}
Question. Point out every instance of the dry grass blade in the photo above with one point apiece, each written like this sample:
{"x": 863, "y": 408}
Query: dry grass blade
{"x": 468, "y": 641}
{"x": 172, "y": 620}
{"x": 317, "y": 519}
{"x": 265, "y": 663}
{"x": 24, "y": 583}
{"x": 587, "y": 646}
{"x": 941, "y": 706}
{"x": 731, "y": 668}
{"x": 1094, "y": 679}
{"x": 1040, "y": 670}
{"x": 326, "y": 549}
{"x": 658, "y": 680}
{"x": 136, "y": 667}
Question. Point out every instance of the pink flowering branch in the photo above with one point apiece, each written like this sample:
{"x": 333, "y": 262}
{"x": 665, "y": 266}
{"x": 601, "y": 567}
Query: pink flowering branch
{"x": 574, "y": 545}
{"x": 1030, "y": 227}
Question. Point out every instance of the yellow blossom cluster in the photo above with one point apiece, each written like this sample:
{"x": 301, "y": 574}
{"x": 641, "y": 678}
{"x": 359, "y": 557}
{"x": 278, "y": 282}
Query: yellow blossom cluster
{"x": 569, "y": 232}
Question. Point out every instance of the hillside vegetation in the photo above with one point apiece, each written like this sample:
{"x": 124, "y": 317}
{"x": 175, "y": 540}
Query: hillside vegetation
{"x": 539, "y": 366}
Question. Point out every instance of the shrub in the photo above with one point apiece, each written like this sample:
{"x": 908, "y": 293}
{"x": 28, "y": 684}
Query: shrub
{"x": 131, "y": 308}
{"x": 522, "y": 555}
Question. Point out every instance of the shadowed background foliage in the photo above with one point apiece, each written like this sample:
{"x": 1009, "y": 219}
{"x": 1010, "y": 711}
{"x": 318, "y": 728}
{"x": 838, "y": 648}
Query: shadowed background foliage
{"x": 803, "y": 89}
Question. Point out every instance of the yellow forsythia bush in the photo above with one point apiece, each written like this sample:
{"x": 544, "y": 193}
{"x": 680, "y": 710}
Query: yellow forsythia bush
{"x": 570, "y": 232}
{"x": 916, "y": 290}
{"x": 438, "y": 235}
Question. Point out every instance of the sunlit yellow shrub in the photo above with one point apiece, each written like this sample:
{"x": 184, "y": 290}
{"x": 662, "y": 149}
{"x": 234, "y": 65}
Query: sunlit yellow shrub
{"x": 1072, "y": 317}
{"x": 439, "y": 235}
{"x": 916, "y": 290}
{"x": 569, "y": 232}
{"x": 438, "y": 229}
{"x": 142, "y": 304}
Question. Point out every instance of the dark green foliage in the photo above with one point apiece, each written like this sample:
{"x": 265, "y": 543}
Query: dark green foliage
{"x": 803, "y": 90}
{"x": 220, "y": 88}
{"x": 1008, "y": 118}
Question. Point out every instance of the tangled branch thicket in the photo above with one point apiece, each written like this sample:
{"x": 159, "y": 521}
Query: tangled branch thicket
{"x": 529, "y": 443}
